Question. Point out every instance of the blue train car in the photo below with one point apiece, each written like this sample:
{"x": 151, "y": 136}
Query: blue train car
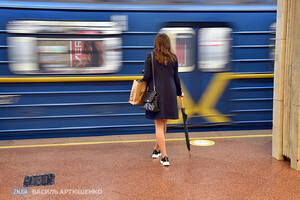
{"x": 67, "y": 68}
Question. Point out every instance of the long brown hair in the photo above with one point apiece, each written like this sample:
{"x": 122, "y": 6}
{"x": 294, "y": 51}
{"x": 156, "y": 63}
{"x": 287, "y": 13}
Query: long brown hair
{"x": 162, "y": 49}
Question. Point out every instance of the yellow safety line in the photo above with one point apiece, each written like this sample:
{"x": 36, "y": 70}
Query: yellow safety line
{"x": 128, "y": 141}
{"x": 67, "y": 79}
{"x": 234, "y": 136}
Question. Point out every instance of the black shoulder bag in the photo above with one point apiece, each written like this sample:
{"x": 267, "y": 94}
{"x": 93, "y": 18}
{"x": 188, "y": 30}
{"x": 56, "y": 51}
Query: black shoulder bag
{"x": 150, "y": 98}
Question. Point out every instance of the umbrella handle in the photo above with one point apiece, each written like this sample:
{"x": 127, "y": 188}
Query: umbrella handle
{"x": 181, "y": 102}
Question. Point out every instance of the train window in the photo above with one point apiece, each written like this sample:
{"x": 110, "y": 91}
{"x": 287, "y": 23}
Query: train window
{"x": 214, "y": 48}
{"x": 182, "y": 42}
{"x": 83, "y": 52}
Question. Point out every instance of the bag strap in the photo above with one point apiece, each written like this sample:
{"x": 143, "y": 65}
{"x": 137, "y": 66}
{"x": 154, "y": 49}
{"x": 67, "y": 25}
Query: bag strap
{"x": 153, "y": 72}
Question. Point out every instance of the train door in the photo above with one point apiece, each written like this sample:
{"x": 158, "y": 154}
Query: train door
{"x": 202, "y": 52}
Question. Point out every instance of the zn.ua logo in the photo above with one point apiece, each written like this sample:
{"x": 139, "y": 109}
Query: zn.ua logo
{"x": 21, "y": 191}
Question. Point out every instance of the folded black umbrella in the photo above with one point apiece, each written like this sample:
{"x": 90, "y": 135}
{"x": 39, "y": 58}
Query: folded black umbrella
{"x": 186, "y": 132}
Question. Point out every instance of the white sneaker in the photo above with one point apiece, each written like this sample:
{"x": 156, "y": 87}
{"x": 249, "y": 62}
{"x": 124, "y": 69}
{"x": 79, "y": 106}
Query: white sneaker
{"x": 165, "y": 161}
{"x": 156, "y": 154}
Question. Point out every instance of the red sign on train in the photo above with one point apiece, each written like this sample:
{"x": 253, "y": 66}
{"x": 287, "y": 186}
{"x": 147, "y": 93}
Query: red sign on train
{"x": 77, "y": 58}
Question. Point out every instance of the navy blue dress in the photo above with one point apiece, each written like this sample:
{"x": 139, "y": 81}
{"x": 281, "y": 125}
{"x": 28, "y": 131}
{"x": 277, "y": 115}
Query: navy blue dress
{"x": 167, "y": 86}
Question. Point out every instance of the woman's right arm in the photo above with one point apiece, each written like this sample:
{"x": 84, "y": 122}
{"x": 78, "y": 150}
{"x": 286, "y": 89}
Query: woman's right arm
{"x": 177, "y": 79}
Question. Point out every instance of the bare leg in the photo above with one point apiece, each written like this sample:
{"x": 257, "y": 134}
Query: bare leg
{"x": 156, "y": 147}
{"x": 165, "y": 121}
{"x": 160, "y": 135}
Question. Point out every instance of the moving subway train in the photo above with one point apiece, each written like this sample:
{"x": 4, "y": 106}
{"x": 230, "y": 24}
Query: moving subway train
{"x": 66, "y": 69}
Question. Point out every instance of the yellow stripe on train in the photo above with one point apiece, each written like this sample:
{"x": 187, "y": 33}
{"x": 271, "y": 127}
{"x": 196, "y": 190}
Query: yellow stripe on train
{"x": 60, "y": 79}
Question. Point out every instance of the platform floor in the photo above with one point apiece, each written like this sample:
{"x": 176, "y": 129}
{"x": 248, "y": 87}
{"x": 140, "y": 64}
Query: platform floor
{"x": 238, "y": 166}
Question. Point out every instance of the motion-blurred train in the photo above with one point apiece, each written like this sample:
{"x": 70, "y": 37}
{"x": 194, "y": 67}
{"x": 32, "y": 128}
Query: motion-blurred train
{"x": 66, "y": 69}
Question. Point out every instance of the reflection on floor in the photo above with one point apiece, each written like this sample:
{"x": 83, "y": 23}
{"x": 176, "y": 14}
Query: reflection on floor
{"x": 238, "y": 166}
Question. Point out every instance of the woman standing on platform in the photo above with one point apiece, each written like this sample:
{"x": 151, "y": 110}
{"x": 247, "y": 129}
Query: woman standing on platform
{"x": 168, "y": 87}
